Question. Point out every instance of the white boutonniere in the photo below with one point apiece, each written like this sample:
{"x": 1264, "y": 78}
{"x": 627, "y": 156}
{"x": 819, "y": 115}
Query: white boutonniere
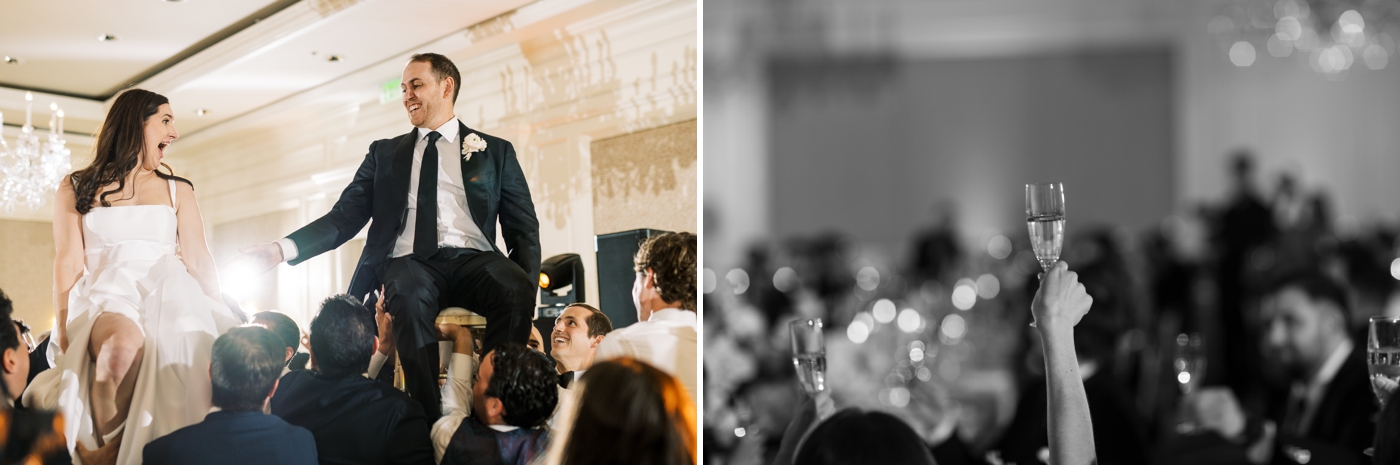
{"x": 472, "y": 143}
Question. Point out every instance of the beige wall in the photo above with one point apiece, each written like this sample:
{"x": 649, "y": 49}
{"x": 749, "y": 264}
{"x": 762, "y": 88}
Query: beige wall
{"x": 646, "y": 179}
{"x": 26, "y": 270}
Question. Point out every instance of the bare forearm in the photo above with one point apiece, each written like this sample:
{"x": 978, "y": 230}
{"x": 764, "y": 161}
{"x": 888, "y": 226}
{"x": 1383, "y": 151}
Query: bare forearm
{"x": 206, "y": 273}
{"x": 1071, "y": 430}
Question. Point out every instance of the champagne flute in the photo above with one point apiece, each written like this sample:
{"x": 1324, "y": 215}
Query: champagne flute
{"x": 1383, "y": 352}
{"x": 1045, "y": 219}
{"x": 809, "y": 354}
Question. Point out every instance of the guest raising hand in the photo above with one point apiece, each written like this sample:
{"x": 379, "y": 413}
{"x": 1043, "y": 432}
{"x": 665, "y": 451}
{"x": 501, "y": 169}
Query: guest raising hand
{"x": 1058, "y": 306}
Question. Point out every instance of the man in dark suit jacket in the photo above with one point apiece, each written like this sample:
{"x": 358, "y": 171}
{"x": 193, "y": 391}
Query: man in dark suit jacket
{"x": 1327, "y": 416}
{"x": 353, "y": 419}
{"x": 432, "y": 244}
{"x": 243, "y": 373}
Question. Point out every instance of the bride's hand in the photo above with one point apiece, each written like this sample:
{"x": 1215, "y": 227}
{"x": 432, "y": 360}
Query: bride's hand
{"x": 259, "y": 258}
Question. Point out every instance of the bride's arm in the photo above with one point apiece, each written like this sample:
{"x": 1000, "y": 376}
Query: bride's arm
{"x": 68, "y": 257}
{"x": 194, "y": 251}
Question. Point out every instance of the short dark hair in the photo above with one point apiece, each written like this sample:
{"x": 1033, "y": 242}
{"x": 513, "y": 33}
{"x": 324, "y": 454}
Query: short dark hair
{"x": 857, "y": 436}
{"x": 283, "y": 325}
{"x": 246, "y": 362}
{"x": 598, "y": 322}
{"x": 1317, "y": 287}
{"x": 671, "y": 257}
{"x": 342, "y": 337}
{"x": 9, "y": 332}
{"x": 443, "y": 68}
{"x": 526, "y": 382}
{"x": 626, "y": 401}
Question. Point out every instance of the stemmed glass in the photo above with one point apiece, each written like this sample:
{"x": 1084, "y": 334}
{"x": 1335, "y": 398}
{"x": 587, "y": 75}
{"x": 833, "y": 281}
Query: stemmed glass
{"x": 809, "y": 354}
{"x": 1045, "y": 219}
{"x": 1383, "y": 352}
{"x": 1189, "y": 363}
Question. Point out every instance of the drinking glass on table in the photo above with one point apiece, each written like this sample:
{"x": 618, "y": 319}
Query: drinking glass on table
{"x": 1189, "y": 364}
{"x": 1045, "y": 219}
{"x": 809, "y": 354}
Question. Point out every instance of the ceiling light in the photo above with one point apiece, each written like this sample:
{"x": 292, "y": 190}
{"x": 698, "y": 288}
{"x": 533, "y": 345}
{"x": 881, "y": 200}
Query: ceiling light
{"x": 202, "y": 112}
{"x": 106, "y": 38}
{"x": 9, "y": 60}
{"x": 173, "y": 1}
{"x": 334, "y": 59}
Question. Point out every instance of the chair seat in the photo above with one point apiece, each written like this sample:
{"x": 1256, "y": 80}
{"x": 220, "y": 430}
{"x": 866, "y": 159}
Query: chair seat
{"x": 460, "y": 316}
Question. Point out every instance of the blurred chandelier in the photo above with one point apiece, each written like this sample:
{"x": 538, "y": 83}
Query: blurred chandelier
{"x": 1333, "y": 36}
{"x": 29, "y": 171}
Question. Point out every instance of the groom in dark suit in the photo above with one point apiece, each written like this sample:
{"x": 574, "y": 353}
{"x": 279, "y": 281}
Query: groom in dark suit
{"x": 435, "y": 195}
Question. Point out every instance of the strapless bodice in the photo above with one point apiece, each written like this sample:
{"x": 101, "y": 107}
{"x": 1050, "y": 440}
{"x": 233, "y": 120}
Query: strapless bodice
{"x": 134, "y": 232}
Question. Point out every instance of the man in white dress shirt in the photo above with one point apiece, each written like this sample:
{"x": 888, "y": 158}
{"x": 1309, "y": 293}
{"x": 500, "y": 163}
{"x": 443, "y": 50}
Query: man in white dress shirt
{"x": 664, "y": 293}
{"x": 435, "y": 196}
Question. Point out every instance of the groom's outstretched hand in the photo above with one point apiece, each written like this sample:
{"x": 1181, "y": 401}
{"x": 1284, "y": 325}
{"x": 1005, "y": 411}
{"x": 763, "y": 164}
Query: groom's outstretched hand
{"x": 259, "y": 258}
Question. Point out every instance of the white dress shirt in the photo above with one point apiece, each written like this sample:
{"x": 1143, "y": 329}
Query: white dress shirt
{"x": 454, "y": 219}
{"x": 666, "y": 341}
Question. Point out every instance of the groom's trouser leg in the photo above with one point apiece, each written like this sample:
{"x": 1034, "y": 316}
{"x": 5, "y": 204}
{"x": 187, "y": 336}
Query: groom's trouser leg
{"x": 491, "y": 285}
{"x": 412, "y": 287}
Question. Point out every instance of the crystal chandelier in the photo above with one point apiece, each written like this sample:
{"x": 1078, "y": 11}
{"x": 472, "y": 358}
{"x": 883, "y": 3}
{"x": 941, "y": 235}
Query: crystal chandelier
{"x": 30, "y": 171}
{"x": 1332, "y": 36}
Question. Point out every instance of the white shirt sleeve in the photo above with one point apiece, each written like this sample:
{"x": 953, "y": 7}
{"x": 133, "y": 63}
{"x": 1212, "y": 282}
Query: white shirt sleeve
{"x": 376, "y": 363}
{"x": 289, "y": 249}
{"x": 456, "y": 402}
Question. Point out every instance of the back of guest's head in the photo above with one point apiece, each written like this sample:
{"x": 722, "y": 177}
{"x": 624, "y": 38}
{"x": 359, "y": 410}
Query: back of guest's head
{"x": 853, "y": 436}
{"x": 526, "y": 382}
{"x": 9, "y": 332}
{"x": 671, "y": 257}
{"x": 342, "y": 337}
{"x": 1387, "y": 449}
{"x": 246, "y": 362}
{"x": 632, "y": 413}
{"x": 281, "y": 324}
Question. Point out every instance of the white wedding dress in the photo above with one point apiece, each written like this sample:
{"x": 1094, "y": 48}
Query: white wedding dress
{"x": 132, "y": 270}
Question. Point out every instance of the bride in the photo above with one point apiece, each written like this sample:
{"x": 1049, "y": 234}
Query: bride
{"x": 135, "y": 292}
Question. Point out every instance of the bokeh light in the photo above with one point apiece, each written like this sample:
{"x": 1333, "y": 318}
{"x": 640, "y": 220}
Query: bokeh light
{"x": 988, "y": 286}
{"x": 738, "y": 279}
{"x": 1288, "y": 29}
{"x": 860, "y": 327}
{"x": 1279, "y": 47}
{"x": 883, "y": 310}
{"x": 916, "y": 354}
{"x": 899, "y": 396}
{"x": 909, "y": 320}
{"x": 1395, "y": 268}
{"x": 954, "y": 327}
{"x": 868, "y": 278}
{"x": 1242, "y": 54}
{"x": 785, "y": 279}
{"x": 999, "y": 247}
{"x": 964, "y": 294}
{"x": 1375, "y": 57}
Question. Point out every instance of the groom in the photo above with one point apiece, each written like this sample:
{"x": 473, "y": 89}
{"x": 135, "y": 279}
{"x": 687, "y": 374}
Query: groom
{"x": 435, "y": 195}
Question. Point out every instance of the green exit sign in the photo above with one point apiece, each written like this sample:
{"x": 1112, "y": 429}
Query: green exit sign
{"x": 390, "y": 91}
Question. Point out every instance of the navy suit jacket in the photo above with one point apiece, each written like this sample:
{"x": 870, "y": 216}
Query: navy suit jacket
{"x": 234, "y": 438}
{"x": 355, "y": 421}
{"x": 495, "y": 189}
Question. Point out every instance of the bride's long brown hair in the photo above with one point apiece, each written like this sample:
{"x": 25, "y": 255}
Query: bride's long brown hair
{"x": 120, "y": 142}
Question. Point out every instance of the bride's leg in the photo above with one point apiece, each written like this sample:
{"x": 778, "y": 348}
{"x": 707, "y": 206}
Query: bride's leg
{"x": 117, "y": 346}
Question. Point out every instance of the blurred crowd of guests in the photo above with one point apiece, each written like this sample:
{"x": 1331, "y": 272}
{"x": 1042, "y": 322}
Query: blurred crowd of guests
{"x": 1277, "y": 295}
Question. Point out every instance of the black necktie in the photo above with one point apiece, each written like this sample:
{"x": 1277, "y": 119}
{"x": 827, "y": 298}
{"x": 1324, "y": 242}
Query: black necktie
{"x": 565, "y": 378}
{"x": 425, "y": 225}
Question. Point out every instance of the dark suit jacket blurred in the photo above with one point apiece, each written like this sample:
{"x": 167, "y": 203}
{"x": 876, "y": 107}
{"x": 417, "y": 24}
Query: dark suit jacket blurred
{"x": 354, "y": 420}
{"x": 495, "y": 190}
{"x": 234, "y": 438}
{"x": 1342, "y": 427}
{"x": 1118, "y": 431}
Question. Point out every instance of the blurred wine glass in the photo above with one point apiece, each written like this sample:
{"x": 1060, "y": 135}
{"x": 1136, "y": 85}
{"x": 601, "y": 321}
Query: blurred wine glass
{"x": 1189, "y": 364}
{"x": 809, "y": 354}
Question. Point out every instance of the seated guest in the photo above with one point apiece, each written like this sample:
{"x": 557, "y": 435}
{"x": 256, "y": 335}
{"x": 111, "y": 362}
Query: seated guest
{"x": 290, "y": 334}
{"x": 499, "y": 418}
{"x": 243, "y": 373}
{"x": 664, "y": 291}
{"x": 631, "y": 413}
{"x": 1327, "y": 417}
{"x": 39, "y": 359}
{"x": 853, "y": 436}
{"x": 577, "y": 333}
{"x": 354, "y": 420}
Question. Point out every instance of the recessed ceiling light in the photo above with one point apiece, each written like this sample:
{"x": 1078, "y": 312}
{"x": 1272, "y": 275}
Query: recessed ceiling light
{"x": 173, "y": 1}
{"x": 334, "y": 59}
{"x": 9, "y": 60}
{"x": 106, "y": 38}
{"x": 202, "y": 112}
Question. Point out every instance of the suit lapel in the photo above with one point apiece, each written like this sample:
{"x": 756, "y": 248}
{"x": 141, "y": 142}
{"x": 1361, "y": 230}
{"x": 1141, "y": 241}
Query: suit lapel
{"x": 401, "y": 172}
{"x": 471, "y": 167}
